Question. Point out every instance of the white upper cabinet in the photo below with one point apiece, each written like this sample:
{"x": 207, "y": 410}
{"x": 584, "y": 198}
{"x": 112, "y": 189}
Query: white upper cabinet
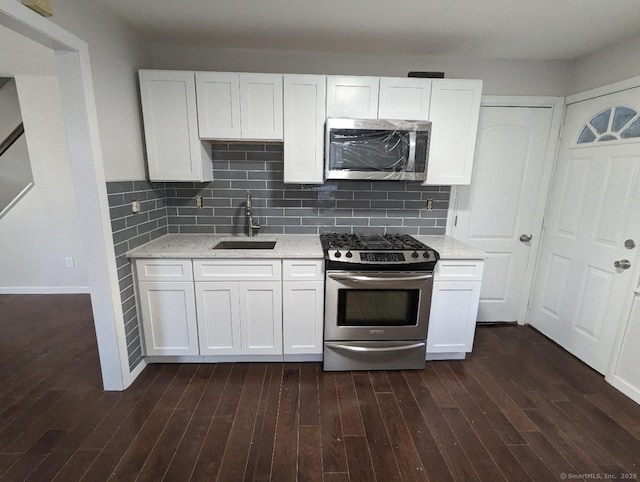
{"x": 218, "y": 95}
{"x": 455, "y": 107}
{"x": 352, "y": 97}
{"x": 404, "y": 98}
{"x": 378, "y": 97}
{"x": 261, "y": 106}
{"x": 174, "y": 150}
{"x": 239, "y": 106}
{"x": 304, "y": 116}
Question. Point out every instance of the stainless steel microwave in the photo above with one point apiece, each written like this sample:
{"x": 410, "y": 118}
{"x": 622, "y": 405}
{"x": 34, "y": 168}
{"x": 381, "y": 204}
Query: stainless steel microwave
{"x": 376, "y": 149}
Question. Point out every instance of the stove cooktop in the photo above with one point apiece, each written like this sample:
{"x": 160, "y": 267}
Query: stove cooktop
{"x": 382, "y": 250}
{"x": 370, "y": 241}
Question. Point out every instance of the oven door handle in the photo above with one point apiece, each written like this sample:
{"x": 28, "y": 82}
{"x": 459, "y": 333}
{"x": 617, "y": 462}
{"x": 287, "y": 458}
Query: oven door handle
{"x": 376, "y": 349}
{"x": 346, "y": 277}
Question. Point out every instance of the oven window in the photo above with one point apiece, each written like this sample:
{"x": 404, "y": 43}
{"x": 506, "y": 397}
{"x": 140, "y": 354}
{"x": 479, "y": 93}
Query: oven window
{"x": 378, "y": 307}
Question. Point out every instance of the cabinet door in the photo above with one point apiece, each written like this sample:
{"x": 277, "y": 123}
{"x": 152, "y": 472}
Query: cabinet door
{"x": 261, "y": 106}
{"x": 303, "y": 308}
{"x": 261, "y": 317}
{"x": 354, "y": 97}
{"x": 404, "y": 98}
{"x": 455, "y": 107}
{"x": 218, "y": 95}
{"x": 218, "y": 309}
{"x": 452, "y": 322}
{"x": 304, "y": 116}
{"x": 168, "y": 318}
{"x": 174, "y": 151}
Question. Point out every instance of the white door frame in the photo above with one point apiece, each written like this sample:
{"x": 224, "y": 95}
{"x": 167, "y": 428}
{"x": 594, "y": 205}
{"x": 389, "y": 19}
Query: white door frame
{"x": 557, "y": 104}
{"x": 81, "y": 124}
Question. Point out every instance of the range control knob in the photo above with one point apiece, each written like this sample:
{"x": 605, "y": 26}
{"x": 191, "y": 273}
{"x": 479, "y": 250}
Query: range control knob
{"x": 414, "y": 254}
{"x": 425, "y": 254}
{"x": 338, "y": 254}
{"x": 349, "y": 254}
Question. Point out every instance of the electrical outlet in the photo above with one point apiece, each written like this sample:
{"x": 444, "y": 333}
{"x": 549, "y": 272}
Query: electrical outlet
{"x": 198, "y": 201}
{"x": 135, "y": 206}
{"x": 429, "y": 204}
{"x": 70, "y": 262}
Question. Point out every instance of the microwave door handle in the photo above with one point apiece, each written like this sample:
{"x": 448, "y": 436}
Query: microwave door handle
{"x": 379, "y": 279}
{"x": 412, "y": 152}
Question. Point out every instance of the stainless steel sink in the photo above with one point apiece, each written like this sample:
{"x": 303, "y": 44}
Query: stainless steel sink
{"x": 245, "y": 245}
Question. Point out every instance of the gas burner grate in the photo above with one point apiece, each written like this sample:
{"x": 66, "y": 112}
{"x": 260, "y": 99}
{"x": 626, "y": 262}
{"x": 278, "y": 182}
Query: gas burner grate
{"x": 370, "y": 241}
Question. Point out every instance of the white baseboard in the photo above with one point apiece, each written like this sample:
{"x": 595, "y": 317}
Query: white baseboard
{"x": 625, "y": 387}
{"x": 213, "y": 358}
{"x": 458, "y": 355}
{"x": 43, "y": 290}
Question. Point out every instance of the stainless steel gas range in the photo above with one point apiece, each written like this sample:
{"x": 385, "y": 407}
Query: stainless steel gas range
{"x": 377, "y": 301}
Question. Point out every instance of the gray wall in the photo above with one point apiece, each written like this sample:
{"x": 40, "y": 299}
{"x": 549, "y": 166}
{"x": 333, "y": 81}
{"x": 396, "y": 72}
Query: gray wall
{"x": 610, "y": 64}
{"x": 500, "y": 76}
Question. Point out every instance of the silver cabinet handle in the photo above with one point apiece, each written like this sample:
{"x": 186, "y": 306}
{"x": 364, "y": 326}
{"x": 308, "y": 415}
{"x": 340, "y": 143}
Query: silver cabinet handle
{"x": 622, "y": 264}
{"x": 374, "y": 349}
{"x": 380, "y": 279}
{"x": 525, "y": 238}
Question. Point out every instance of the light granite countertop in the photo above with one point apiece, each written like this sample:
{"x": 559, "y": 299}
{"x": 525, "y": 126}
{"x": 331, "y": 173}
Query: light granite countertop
{"x": 287, "y": 246}
{"x": 450, "y": 248}
{"x": 200, "y": 246}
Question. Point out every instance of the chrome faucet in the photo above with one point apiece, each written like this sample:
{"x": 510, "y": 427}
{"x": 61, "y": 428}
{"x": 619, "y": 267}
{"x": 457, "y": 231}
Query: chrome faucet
{"x": 250, "y": 224}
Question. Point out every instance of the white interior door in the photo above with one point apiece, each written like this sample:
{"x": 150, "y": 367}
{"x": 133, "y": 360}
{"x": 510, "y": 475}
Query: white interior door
{"x": 580, "y": 295}
{"x": 504, "y": 202}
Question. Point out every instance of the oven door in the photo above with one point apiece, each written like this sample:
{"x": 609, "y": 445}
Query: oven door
{"x": 361, "y": 306}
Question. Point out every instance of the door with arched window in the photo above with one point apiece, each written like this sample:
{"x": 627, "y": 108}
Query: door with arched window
{"x": 588, "y": 261}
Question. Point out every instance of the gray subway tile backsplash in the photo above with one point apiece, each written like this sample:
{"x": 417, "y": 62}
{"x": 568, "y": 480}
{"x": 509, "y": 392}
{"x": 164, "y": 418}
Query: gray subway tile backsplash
{"x": 365, "y": 207}
{"x": 129, "y": 231}
{"x": 257, "y": 167}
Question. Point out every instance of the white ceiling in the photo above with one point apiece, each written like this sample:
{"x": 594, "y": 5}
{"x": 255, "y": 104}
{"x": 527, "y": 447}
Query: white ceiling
{"x": 536, "y": 29}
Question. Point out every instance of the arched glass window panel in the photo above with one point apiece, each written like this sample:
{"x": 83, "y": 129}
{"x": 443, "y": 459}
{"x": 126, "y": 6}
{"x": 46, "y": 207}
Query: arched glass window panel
{"x": 632, "y": 131}
{"x": 601, "y": 121}
{"x": 586, "y": 136}
{"x": 612, "y": 124}
{"x": 622, "y": 117}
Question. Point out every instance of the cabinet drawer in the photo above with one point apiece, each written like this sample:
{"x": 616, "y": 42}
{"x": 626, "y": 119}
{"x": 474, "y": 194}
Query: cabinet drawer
{"x": 234, "y": 270}
{"x": 459, "y": 270}
{"x": 303, "y": 269}
{"x": 164, "y": 270}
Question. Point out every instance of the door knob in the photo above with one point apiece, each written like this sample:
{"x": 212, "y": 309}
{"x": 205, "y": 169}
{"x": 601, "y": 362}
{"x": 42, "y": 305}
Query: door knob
{"x": 525, "y": 238}
{"x": 622, "y": 264}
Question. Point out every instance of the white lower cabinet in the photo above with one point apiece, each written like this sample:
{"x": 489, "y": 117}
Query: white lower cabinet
{"x": 239, "y": 318}
{"x": 235, "y": 308}
{"x": 454, "y": 308}
{"x": 167, "y": 309}
{"x": 239, "y": 305}
{"x": 261, "y": 317}
{"x": 303, "y": 307}
{"x": 218, "y": 308}
{"x": 169, "y": 319}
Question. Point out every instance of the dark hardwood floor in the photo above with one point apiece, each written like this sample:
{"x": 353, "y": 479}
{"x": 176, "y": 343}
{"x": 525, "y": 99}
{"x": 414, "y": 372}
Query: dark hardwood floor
{"x": 519, "y": 408}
